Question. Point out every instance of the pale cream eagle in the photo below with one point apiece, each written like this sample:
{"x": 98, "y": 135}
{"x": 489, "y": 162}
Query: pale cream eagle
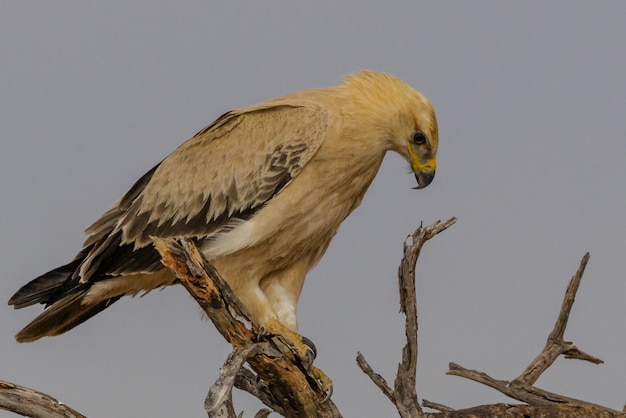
{"x": 262, "y": 191}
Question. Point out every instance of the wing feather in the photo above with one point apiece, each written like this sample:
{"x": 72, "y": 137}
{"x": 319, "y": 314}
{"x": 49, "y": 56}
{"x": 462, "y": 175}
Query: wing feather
{"x": 226, "y": 172}
{"x": 217, "y": 179}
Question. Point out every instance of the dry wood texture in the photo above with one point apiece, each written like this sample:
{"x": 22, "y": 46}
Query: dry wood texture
{"x": 31, "y": 403}
{"x": 281, "y": 382}
{"x": 538, "y": 402}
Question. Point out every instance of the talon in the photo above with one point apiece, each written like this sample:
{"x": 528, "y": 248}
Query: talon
{"x": 301, "y": 347}
{"x": 329, "y": 393}
{"x": 309, "y": 363}
{"x": 324, "y": 382}
{"x": 259, "y": 334}
{"x": 311, "y": 345}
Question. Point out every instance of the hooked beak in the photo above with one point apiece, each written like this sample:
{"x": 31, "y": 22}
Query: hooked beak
{"x": 424, "y": 170}
{"x": 424, "y": 178}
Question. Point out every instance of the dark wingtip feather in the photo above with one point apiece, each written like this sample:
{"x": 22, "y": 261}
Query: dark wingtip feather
{"x": 45, "y": 288}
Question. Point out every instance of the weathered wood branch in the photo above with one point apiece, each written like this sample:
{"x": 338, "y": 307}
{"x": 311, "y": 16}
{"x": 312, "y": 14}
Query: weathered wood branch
{"x": 538, "y": 401}
{"x": 555, "y": 345}
{"x": 377, "y": 379}
{"x": 407, "y": 402}
{"x": 285, "y": 384}
{"x": 281, "y": 382}
{"x": 404, "y": 393}
{"x": 506, "y": 410}
{"x": 522, "y": 389}
{"x": 31, "y": 403}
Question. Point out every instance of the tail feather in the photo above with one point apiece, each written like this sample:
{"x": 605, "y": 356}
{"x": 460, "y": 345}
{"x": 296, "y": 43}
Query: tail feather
{"x": 62, "y": 315}
{"x": 46, "y": 288}
{"x": 64, "y": 298}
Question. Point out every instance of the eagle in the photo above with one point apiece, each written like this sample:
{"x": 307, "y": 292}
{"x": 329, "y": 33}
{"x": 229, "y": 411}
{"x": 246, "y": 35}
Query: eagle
{"x": 261, "y": 191}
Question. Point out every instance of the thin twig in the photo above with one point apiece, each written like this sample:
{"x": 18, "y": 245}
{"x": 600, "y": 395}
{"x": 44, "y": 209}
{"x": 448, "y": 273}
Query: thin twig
{"x": 375, "y": 377}
{"x": 568, "y": 301}
{"x": 436, "y": 406}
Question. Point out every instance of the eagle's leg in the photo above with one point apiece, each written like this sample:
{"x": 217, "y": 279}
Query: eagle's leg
{"x": 271, "y": 322}
{"x": 282, "y": 289}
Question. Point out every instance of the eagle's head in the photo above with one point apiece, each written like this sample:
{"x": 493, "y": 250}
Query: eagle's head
{"x": 389, "y": 109}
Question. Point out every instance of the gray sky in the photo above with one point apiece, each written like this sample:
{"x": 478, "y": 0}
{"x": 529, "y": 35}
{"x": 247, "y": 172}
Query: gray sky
{"x": 531, "y": 102}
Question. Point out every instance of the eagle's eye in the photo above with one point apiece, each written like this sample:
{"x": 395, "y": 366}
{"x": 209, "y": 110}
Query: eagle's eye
{"x": 418, "y": 138}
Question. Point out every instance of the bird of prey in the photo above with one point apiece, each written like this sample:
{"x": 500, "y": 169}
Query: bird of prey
{"x": 261, "y": 191}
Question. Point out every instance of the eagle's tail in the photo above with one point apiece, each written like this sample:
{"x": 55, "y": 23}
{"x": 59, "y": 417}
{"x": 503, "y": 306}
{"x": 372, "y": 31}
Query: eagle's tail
{"x": 64, "y": 297}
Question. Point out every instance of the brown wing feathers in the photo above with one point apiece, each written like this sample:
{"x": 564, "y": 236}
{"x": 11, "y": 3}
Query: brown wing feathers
{"x": 223, "y": 175}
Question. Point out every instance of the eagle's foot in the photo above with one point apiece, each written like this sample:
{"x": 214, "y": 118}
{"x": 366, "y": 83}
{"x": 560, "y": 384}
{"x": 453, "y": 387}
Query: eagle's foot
{"x": 303, "y": 349}
{"x": 324, "y": 382}
{"x": 300, "y": 346}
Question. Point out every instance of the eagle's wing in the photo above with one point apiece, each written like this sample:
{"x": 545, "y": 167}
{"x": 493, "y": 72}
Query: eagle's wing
{"x": 211, "y": 183}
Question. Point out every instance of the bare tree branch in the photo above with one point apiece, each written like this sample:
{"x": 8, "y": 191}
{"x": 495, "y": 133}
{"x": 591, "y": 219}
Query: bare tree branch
{"x": 404, "y": 394}
{"x": 282, "y": 383}
{"x": 218, "y": 402}
{"x": 522, "y": 389}
{"x": 249, "y": 382}
{"x": 436, "y": 406}
{"x": 407, "y": 402}
{"x": 31, "y": 403}
{"x": 375, "y": 377}
{"x": 539, "y": 402}
{"x": 505, "y": 410}
{"x": 524, "y": 393}
{"x": 555, "y": 345}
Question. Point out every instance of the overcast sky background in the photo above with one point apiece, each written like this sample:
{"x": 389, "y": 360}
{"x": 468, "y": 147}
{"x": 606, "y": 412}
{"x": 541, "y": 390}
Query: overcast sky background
{"x": 531, "y": 102}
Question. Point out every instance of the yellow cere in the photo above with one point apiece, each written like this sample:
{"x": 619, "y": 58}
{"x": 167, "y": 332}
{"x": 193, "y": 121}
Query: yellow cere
{"x": 417, "y": 165}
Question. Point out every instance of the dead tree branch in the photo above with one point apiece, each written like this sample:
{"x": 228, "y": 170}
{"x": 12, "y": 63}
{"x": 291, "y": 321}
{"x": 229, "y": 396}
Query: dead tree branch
{"x": 521, "y": 388}
{"x": 555, "y": 345}
{"x": 404, "y": 393}
{"x": 282, "y": 383}
{"x": 31, "y": 403}
{"x": 538, "y": 402}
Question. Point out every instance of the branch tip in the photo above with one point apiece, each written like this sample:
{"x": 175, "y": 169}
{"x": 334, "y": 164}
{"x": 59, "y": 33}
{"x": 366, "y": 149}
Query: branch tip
{"x": 436, "y": 406}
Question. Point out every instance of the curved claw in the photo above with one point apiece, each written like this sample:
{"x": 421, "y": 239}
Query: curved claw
{"x": 259, "y": 334}
{"x": 329, "y": 393}
{"x": 300, "y": 346}
{"x": 311, "y": 345}
{"x": 324, "y": 382}
{"x": 309, "y": 360}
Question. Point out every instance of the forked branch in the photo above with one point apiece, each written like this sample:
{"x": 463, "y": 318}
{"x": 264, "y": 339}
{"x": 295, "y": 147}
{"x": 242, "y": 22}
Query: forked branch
{"x": 538, "y": 402}
{"x": 555, "y": 345}
{"x": 404, "y": 393}
{"x": 283, "y": 384}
